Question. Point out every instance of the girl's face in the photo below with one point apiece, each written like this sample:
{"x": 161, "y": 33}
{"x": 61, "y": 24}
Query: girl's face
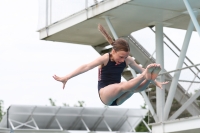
{"x": 119, "y": 56}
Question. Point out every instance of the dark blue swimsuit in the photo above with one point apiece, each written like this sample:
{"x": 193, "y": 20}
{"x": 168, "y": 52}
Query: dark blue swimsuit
{"x": 110, "y": 74}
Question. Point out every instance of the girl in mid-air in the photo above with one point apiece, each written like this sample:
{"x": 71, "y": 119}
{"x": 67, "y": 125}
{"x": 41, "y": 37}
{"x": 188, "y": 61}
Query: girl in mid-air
{"x": 111, "y": 90}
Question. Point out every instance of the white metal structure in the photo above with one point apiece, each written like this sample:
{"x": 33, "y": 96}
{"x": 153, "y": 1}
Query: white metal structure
{"x": 70, "y": 119}
{"x": 123, "y": 17}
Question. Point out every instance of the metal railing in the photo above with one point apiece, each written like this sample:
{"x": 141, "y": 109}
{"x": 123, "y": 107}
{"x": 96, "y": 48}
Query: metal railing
{"x": 52, "y": 11}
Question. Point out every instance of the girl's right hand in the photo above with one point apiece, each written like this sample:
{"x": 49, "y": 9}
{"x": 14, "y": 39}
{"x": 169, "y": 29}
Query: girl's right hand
{"x": 61, "y": 79}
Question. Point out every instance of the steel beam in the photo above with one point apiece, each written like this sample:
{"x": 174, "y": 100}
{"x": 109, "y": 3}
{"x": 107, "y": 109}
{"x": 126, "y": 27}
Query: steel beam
{"x": 146, "y": 125}
{"x": 191, "y": 83}
{"x": 121, "y": 121}
{"x": 76, "y": 121}
{"x": 179, "y": 69}
{"x": 185, "y": 81}
{"x": 107, "y": 125}
{"x": 98, "y": 121}
{"x": 86, "y": 4}
{"x": 175, "y": 79}
{"x": 185, "y": 105}
{"x": 147, "y": 101}
{"x": 59, "y": 124}
{"x": 192, "y": 16}
{"x": 35, "y": 123}
{"x": 184, "y": 125}
{"x": 111, "y": 27}
{"x": 160, "y": 93}
{"x": 85, "y": 125}
{"x": 53, "y": 118}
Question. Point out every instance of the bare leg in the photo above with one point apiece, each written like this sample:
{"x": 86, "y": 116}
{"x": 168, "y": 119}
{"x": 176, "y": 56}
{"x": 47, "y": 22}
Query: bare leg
{"x": 143, "y": 86}
{"x": 124, "y": 97}
{"x": 127, "y": 95}
{"x": 146, "y": 75}
{"x": 111, "y": 92}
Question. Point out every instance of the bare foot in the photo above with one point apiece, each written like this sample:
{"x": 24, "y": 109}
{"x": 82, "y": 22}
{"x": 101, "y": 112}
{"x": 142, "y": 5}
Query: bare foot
{"x": 155, "y": 72}
{"x": 148, "y": 71}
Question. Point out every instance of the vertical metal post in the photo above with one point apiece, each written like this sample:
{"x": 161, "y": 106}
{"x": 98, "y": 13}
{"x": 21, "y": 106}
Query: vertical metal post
{"x": 8, "y": 116}
{"x": 160, "y": 93}
{"x": 147, "y": 101}
{"x": 86, "y": 4}
{"x": 47, "y": 12}
{"x": 175, "y": 79}
{"x": 111, "y": 27}
{"x": 192, "y": 16}
{"x": 50, "y": 14}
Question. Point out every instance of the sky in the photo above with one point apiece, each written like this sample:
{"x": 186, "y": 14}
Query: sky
{"x": 27, "y": 63}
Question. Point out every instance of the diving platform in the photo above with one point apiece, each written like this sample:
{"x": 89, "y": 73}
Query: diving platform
{"x": 126, "y": 16}
{"x": 57, "y": 119}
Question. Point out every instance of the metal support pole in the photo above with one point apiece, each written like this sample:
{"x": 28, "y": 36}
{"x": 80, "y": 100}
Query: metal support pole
{"x": 146, "y": 125}
{"x": 47, "y": 12}
{"x": 185, "y": 105}
{"x": 107, "y": 125}
{"x": 35, "y": 123}
{"x": 146, "y": 99}
{"x": 191, "y": 83}
{"x": 59, "y": 124}
{"x": 192, "y": 16}
{"x": 12, "y": 126}
{"x": 50, "y": 14}
{"x": 111, "y": 27}
{"x": 179, "y": 69}
{"x": 175, "y": 79}
{"x": 86, "y": 4}
{"x": 47, "y": 17}
{"x": 85, "y": 125}
{"x": 160, "y": 93}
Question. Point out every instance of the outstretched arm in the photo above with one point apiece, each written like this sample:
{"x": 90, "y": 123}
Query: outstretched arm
{"x": 80, "y": 70}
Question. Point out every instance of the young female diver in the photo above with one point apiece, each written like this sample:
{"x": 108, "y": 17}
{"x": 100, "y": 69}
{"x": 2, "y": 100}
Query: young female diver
{"x": 111, "y": 90}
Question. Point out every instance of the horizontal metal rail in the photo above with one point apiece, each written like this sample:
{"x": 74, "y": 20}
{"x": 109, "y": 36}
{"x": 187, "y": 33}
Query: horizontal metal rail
{"x": 179, "y": 69}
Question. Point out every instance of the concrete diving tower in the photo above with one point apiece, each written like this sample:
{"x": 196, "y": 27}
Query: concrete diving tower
{"x": 123, "y": 17}
{"x": 126, "y": 16}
